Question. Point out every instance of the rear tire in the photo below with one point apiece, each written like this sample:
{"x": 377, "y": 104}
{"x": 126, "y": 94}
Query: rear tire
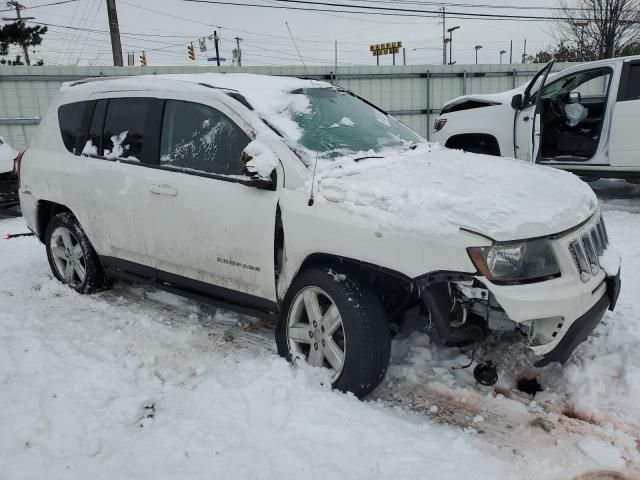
{"x": 71, "y": 256}
{"x": 346, "y": 314}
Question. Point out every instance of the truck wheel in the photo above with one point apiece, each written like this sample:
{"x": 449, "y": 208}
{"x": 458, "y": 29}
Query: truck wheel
{"x": 71, "y": 257}
{"x": 331, "y": 320}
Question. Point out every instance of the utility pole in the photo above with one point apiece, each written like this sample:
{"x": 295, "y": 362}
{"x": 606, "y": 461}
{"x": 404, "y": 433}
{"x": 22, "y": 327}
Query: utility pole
{"x": 114, "y": 30}
{"x": 451, "y": 30}
{"x": 216, "y": 39}
{"x": 19, "y": 18}
{"x": 404, "y": 56}
{"x": 511, "y": 54}
{"x": 524, "y": 51}
{"x": 444, "y": 37}
{"x": 239, "y": 51}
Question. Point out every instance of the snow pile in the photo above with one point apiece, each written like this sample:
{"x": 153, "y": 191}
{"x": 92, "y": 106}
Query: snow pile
{"x": 89, "y": 148}
{"x": 437, "y": 190}
{"x": 603, "y": 453}
{"x": 100, "y": 387}
{"x": 119, "y": 148}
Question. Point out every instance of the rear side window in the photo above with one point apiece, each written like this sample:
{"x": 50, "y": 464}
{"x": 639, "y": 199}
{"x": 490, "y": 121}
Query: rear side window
{"x": 633, "y": 83}
{"x": 124, "y": 126}
{"x": 198, "y": 137}
{"x": 72, "y": 118}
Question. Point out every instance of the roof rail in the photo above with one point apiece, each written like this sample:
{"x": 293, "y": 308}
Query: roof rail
{"x": 97, "y": 79}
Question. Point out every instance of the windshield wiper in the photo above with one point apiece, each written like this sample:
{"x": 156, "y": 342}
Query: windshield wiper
{"x": 364, "y": 158}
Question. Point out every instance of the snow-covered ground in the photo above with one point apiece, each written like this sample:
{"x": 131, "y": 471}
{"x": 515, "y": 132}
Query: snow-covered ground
{"x": 137, "y": 383}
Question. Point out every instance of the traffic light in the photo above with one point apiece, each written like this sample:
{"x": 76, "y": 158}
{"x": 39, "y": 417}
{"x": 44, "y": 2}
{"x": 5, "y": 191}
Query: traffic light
{"x": 143, "y": 59}
{"x": 192, "y": 52}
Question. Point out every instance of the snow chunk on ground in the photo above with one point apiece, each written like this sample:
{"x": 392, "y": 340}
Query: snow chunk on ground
{"x": 101, "y": 387}
{"x": 602, "y": 452}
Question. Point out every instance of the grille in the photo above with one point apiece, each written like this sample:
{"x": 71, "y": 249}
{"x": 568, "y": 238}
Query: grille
{"x": 585, "y": 250}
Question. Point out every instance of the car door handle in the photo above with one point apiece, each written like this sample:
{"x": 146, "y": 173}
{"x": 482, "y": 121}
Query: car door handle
{"x": 163, "y": 189}
{"x": 525, "y": 119}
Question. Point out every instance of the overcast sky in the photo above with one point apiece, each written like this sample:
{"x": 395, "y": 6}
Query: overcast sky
{"x": 164, "y": 28}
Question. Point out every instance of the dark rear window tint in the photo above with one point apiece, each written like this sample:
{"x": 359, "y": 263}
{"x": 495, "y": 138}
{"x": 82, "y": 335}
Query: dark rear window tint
{"x": 94, "y": 142}
{"x": 124, "y": 127}
{"x": 71, "y": 120}
{"x": 633, "y": 83}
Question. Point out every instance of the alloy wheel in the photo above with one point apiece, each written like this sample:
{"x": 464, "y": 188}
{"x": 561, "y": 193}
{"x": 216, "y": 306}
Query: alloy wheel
{"x": 68, "y": 257}
{"x": 315, "y": 331}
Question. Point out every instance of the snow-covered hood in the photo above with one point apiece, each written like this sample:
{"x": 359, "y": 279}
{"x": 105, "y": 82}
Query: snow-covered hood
{"x": 438, "y": 191}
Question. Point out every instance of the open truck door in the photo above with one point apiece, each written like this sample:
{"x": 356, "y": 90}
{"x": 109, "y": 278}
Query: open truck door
{"x": 526, "y": 121}
{"x": 624, "y": 143}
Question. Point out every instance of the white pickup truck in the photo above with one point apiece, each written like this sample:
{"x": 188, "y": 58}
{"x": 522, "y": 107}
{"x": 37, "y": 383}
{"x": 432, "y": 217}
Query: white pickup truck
{"x": 584, "y": 121}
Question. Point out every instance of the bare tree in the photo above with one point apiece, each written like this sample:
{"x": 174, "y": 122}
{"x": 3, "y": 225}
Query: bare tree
{"x": 599, "y": 28}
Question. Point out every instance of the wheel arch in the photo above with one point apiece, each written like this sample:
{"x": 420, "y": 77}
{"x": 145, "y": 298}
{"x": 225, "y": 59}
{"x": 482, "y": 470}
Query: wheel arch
{"x": 396, "y": 289}
{"x": 45, "y": 211}
{"x": 475, "y": 142}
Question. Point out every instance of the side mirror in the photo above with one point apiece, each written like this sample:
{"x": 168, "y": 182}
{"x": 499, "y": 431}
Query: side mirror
{"x": 255, "y": 180}
{"x": 261, "y": 183}
{"x": 516, "y": 101}
{"x": 575, "y": 97}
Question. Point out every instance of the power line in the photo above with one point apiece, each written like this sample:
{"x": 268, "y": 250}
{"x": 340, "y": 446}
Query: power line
{"x": 387, "y": 11}
{"x": 413, "y": 10}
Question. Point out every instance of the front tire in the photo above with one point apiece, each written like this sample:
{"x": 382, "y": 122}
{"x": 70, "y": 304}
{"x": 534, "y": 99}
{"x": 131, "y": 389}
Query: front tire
{"x": 71, "y": 256}
{"x": 332, "y": 320}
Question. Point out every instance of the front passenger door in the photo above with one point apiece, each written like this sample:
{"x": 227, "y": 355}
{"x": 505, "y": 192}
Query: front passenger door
{"x": 208, "y": 231}
{"x": 624, "y": 146}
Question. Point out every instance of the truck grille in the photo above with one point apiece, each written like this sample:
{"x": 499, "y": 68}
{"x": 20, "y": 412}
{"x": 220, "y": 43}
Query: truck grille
{"x": 586, "y": 249}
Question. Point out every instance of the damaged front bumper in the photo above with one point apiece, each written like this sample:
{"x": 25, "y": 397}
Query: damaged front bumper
{"x": 582, "y": 327}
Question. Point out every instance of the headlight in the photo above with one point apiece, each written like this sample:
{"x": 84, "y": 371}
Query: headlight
{"x": 519, "y": 262}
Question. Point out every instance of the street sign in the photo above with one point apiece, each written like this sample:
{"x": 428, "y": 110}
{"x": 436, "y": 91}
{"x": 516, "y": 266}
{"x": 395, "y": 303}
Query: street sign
{"x": 213, "y": 59}
{"x": 390, "y": 48}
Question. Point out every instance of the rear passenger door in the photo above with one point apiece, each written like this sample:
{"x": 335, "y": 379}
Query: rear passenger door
{"x": 624, "y": 144}
{"x": 209, "y": 231}
{"x": 118, "y": 149}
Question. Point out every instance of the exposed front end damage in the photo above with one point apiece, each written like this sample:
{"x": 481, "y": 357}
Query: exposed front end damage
{"x": 553, "y": 316}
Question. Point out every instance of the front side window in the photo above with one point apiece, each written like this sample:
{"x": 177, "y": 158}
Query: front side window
{"x": 591, "y": 83}
{"x": 124, "y": 125}
{"x": 200, "y": 138}
{"x": 71, "y": 120}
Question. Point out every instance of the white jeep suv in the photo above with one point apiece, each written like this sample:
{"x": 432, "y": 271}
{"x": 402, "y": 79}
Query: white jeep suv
{"x": 295, "y": 200}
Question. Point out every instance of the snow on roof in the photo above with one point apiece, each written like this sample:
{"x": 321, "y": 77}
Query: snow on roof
{"x": 268, "y": 95}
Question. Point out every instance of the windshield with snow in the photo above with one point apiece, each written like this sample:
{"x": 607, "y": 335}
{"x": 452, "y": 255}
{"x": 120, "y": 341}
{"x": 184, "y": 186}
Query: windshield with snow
{"x": 339, "y": 123}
